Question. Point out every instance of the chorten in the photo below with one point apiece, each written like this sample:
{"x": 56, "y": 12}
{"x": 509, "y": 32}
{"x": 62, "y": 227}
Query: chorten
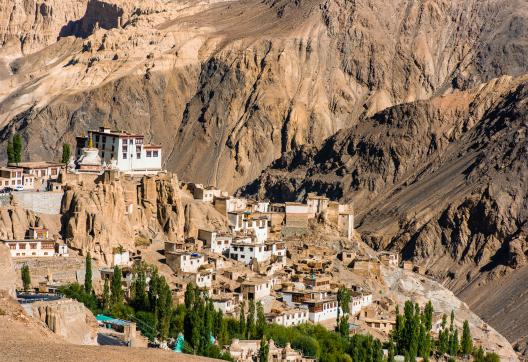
{"x": 90, "y": 161}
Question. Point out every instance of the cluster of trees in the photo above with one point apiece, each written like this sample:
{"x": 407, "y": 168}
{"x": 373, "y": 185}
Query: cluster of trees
{"x": 14, "y": 148}
{"x": 205, "y": 330}
{"x": 411, "y": 336}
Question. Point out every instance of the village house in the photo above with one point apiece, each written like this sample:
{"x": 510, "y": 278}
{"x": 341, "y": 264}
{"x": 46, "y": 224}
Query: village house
{"x": 224, "y": 302}
{"x": 256, "y": 289}
{"x": 359, "y": 301}
{"x": 11, "y": 177}
{"x": 389, "y": 259}
{"x": 322, "y": 309}
{"x": 217, "y": 242}
{"x": 249, "y": 224}
{"x": 382, "y": 325}
{"x": 288, "y": 317}
{"x": 316, "y": 204}
{"x": 345, "y": 222}
{"x": 124, "y": 151}
{"x": 297, "y": 215}
{"x": 207, "y": 194}
{"x": 44, "y": 170}
{"x": 261, "y": 206}
{"x": 36, "y": 244}
{"x": 313, "y": 282}
{"x": 248, "y": 248}
{"x": 120, "y": 257}
{"x": 184, "y": 261}
{"x": 225, "y": 204}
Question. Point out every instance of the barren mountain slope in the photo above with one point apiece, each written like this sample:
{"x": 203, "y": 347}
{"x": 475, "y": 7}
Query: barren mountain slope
{"x": 443, "y": 181}
{"x": 226, "y": 87}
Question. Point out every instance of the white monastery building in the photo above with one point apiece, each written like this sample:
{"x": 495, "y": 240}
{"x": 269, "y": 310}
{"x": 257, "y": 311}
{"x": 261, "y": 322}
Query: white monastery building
{"x": 124, "y": 151}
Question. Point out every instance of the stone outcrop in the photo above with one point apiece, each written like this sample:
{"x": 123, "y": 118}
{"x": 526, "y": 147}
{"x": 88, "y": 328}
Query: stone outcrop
{"x": 69, "y": 319}
{"x": 116, "y": 212}
{"x": 8, "y": 276}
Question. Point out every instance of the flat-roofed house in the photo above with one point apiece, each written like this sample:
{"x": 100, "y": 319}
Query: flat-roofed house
{"x": 218, "y": 243}
{"x": 288, "y": 317}
{"x": 37, "y": 244}
{"x": 256, "y": 289}
{"x": 248, "y": 223}
{"x": 184, "y": 261}
{"x": 247, "y": 248}
{"x": 12, "y": 177}
{"x": 41, "y": 169}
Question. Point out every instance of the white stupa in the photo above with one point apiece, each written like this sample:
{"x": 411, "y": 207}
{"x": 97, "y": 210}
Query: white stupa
{"x": 90, "y": 161}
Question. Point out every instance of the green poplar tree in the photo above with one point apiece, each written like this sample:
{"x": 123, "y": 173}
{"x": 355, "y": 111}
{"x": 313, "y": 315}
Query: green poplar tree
{"x": 17, "y": 148}
{"x": 443, "y": 337}
{"x": 467, "y": 342}
{"x": 263, "y": 351}
{"x": 140, "y": 299}
{"x": 117, "y": 297}
{"x": 26, "y": 277}
{"x": 106, "y": 296}
{"x": 242, "y": 320}
{"x": 261, "y": 320}
{"x": 390, "y": 357}
{"x": 66, "y": 153}
{"x": 453, "y": 343}
{"x": 88, "y": 274}
{"x": 250, "y": 324}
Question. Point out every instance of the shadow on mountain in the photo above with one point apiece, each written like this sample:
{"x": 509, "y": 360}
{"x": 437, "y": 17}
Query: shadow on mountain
{"x": 98, "y": 14}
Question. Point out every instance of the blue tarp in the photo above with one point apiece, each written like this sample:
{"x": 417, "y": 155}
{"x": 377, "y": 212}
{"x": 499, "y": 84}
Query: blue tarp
{"x": 106, "y": 319}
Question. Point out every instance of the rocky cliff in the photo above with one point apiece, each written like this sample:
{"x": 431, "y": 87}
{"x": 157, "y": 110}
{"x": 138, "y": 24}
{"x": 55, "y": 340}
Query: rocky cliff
{"x": 103, "y": 216}
{"x": 225, "y": 94}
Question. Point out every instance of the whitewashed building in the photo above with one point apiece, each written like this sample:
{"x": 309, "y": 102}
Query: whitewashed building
{"x": 248, "y": 224}
{"x": 127, "y": 152}
{"x": 359, "y": 301}
{"x": 224, "y": 302}
{"x": 322, "y": 310}
{"x": 218, "y": 243}
{"x": 289, "y": 317}
{"x": 184, "y": 261}
{"x": 247, "y": 248}
{"x": 256, "y": 289}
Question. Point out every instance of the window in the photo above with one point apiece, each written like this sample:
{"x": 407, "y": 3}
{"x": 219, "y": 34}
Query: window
{"x": 154, "y": 153}
{"x": 124, "y": 156}
{"x": 104, "y": 139}
{"x": 138, "y": 155}
{"x": 149, "y": 153}
{"x": 96, "y": 138}
{"x": 102, "y": 154}
{"x": 131, "y": 141}
{"x": 54, "y": 171}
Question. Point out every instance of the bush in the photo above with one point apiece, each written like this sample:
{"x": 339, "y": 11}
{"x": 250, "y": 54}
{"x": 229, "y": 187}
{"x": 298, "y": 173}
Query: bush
{"x": 77, "y": 292}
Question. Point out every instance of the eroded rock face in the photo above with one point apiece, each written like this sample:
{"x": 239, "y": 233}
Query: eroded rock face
{"x": 8, "y": 276}
{"x": 442, "y": 181}
{"x": 68, "y": 318}
{"x": 226, "y": 95}
{"x": 117, "y": 212}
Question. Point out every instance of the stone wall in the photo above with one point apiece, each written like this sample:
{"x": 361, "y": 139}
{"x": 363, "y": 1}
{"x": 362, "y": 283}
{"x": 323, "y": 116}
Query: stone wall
{"x": 41, "y": 202}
